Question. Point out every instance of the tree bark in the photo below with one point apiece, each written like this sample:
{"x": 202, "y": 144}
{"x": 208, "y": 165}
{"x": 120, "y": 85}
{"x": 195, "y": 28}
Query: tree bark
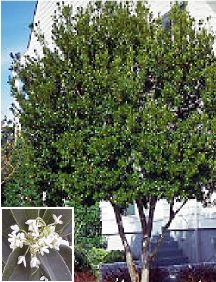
{"x": 146, "y": 231}
{"x": 146, "y": 225}
{"x": 134, "y": 275}
{"x": 165, "y": 228}
{"x": 152, "y": 205}
{"x": 145, "y": 259}
{"x": 145, "y": 274}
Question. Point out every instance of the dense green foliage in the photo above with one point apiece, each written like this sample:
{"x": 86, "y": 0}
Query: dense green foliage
{"x": 92, "y": 258}
{"x": 87, "y": 225}
{"x": 21, "y": 188}
{"x": 121, "y": 107}
{"x": 89, "y": 243}
{"x": 7, "y": 147}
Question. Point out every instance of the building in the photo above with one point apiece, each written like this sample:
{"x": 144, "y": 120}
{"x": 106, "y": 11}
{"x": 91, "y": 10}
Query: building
{"x": 194, "y": 229}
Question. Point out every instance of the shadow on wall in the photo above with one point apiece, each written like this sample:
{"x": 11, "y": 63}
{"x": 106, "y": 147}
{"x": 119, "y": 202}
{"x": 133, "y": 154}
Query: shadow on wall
{"x": 136, "y": 245}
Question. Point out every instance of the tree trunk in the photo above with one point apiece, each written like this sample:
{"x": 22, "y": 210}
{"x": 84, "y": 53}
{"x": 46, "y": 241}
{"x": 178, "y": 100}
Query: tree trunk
{"x": 134, "y": 275}
{"x": 145, "y": 260}
{"x": 145, "y": 273}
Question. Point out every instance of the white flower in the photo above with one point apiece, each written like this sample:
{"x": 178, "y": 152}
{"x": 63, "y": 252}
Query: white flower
{"x": 34, "y": 262}
{"x": 13, "y": 245}
{"x": 21, "y": 236}
{"x": 44, "y": 199}
{"x": 56, "y": 244}
{"x": 57, "y": 219}
{"x": 56, "y": 241}
{"x": 43, "y": 278}
{"x": 16, "y": 240}
{"x": 15, "y": 228}
{"x": 32, "y": 223}
{"x": 40, "y": 242}
{"x": 21, "y": 259}
{"x": 40, "y": 238}
{"x": 64, "y": 242}
{"x": 44, "y": 250}
{"x": 35, "y": 234}
{"x": 52, "y": 229}
{"x": 40, "y": 224}
{"x": 12, "y": 237}
{"x": 49, "y": 241}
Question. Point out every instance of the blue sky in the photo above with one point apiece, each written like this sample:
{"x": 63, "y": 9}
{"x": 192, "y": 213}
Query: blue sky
{"x": 15, "y": 19}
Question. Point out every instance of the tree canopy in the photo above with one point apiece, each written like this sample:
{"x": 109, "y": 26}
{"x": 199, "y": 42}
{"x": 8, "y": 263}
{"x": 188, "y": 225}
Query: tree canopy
{"x": 122, "y": 107}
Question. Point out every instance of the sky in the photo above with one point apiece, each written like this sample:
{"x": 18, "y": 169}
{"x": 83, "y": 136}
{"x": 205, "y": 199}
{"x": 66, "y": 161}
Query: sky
{"x": 16, "y": 16}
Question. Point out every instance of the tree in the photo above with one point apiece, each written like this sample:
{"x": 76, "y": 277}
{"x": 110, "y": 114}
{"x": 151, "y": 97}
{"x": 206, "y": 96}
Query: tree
{"x": 122, "y": 110}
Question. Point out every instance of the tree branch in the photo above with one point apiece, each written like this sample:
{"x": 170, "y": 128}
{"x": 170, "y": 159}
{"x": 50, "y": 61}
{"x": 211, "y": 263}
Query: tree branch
{"x": 129, "y": 258}
{"x": 164, "y": 229}
{"x": 118, "y": 217}
{"x": 8, "y": 176}
{"x": 143, "y": 221}
{"x": 152, "y": 205}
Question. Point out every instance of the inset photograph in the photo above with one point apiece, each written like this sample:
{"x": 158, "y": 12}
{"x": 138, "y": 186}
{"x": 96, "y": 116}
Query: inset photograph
{"x": 37, "y": 244}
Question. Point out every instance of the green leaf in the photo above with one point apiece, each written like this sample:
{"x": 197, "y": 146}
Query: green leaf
{"x": 32, "y": 213}
{"x": 11, "y": 265}
{"x": 15, "y": 272}
{"x": 35, "y": 274}
{"x": 66, "y": 229}
{"x": 7, "y": 221}
{"x": 6, "y": 250}
{"x": 22, "y": 215}
{"x": 20, "y": 273}
{"x": 54, "y": 264}
{"x": 66, "y": 254}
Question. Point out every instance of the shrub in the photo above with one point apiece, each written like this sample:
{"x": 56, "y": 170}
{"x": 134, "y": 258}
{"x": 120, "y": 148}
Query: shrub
{"x": 22, "y": 189}
{"x": 114, "y": 256}
{"x": 197, "y": 274}
{"x": 87, "y": 225}
{"x": 120, "y": 273}
{"x": 92, "y": 258}
{"x": 88, "y": 238}
{"x": 95, "y": 257}
{"x": 81, "y": 259}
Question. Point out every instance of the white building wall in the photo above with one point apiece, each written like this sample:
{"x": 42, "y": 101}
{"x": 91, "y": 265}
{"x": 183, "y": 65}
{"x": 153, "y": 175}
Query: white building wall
{"x": 194, "y": 228}
{"x": 44, "y": 13}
